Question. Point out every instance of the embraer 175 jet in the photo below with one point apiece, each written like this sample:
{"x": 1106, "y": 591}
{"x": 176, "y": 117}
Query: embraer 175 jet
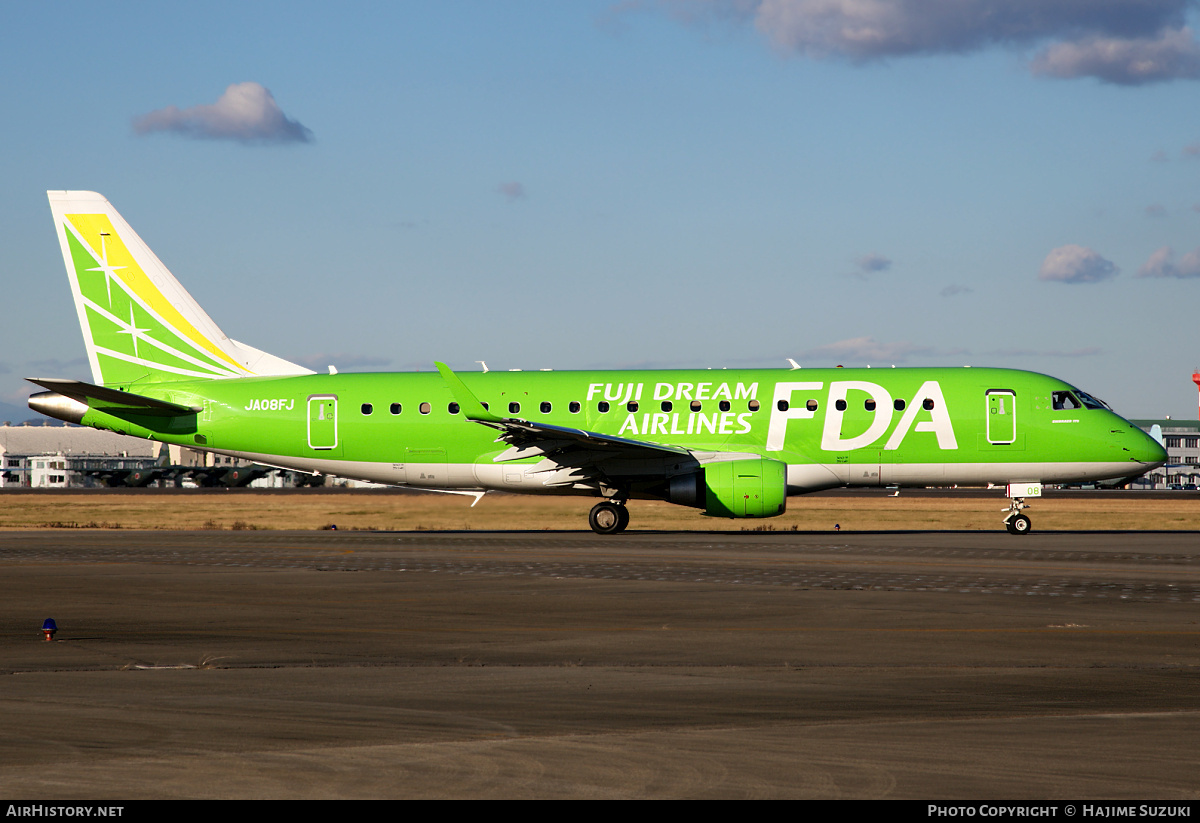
{"x": 731, "y": 443}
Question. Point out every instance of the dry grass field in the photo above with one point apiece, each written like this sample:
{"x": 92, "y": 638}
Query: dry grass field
{"x": 406, "y": 511}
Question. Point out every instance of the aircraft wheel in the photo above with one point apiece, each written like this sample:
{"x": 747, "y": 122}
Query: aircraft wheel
{"x": 623, "y": 514}
{"x": 1019, "y": 525}
{"x": 607, "y": 518}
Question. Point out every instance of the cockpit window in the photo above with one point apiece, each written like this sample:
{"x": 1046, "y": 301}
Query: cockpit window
{"x": 1091, "y": 402}
{"x": 1071, "y": 400}
{"x": 1065, "y": 401}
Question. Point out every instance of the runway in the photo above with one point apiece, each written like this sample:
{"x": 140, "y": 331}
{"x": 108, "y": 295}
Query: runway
{"x": 927, "y": 665}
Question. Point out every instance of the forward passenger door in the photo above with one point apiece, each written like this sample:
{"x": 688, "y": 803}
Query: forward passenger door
{"x": 1001, "y": 416}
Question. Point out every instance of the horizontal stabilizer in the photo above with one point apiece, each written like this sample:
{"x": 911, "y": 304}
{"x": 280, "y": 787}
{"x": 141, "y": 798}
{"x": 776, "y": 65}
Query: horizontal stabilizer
{"x": 110, "y": 400}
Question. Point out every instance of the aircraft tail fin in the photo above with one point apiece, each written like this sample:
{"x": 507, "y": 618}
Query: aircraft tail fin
{"x": 139, "y": 324}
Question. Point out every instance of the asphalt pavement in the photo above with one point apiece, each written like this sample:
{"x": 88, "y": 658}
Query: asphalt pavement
{"x": 927, "y": 665}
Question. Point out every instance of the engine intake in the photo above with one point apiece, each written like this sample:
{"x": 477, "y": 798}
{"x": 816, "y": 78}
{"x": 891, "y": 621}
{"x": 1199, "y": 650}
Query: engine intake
{"x": 754, "y": 487}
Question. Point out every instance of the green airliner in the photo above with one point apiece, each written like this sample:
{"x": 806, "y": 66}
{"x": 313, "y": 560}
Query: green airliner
{"x": 730, "y": 443}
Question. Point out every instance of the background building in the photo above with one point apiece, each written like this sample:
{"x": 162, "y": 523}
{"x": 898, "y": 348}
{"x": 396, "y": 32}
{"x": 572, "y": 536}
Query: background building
{"x": 54, "y": 456}
{"x": 58, "y": 456}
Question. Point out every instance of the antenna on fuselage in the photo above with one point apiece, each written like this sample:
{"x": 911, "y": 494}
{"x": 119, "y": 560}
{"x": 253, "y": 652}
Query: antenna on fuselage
{"x": 795, "y": 365}
{"x": 485, "y": 371}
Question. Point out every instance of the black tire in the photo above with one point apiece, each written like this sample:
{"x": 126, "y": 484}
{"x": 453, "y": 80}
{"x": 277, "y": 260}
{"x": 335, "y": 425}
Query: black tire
{"x": 605, "y": 518}
{"x": 623, "y": 513}
{"x": 1019, "y": 525}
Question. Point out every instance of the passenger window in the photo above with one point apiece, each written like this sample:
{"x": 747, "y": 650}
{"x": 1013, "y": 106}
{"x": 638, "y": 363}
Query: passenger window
{"x": 928, "y": 404}
{"x": 367, "y": 408}
{"x": 869, "y": 404}
{"x": 425, "y": 408}
{"x": 396, "y": 408}
{"x": 632, "y": 406}
{"x": 602, "y": 406}
{"x": 514, "y": 408}
{"x": 697, "y": 405}
{"x": 452, "y": 408}
{"x": 753, "y": 405}
{"x": 840, "y": 405}
{"x": 545, "y": 407}
{"x": 811, "y": 405}
{"x": 666, "y": 405}
{"x": 574, "y": 407}
{"x": 724, "y": 405}
{"x": 783, "y": 405}
{"x": 899, "y": 404}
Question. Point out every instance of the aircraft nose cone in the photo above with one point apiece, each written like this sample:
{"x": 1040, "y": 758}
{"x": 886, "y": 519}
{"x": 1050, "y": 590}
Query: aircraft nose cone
{"x": 1150, "y": 452}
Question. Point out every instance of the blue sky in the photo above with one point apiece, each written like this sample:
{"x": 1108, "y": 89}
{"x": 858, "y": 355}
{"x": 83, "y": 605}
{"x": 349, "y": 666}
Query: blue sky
{"x": 610, "y": 185}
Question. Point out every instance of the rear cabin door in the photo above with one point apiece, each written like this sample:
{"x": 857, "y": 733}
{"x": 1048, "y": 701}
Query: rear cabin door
{"x": 323, "y": 422}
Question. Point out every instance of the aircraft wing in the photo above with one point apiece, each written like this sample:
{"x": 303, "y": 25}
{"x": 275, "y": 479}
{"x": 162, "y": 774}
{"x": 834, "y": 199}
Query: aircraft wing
{"x": 531, "y": 439}
{"x": 111, "y": 400}
{"x": 573, "y": 455}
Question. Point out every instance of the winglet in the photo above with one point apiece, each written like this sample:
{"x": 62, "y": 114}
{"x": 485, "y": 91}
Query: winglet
{"x": 472, "y": 409}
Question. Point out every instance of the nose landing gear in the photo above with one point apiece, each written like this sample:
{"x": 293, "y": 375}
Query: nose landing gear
{"x": 1014, "y": 521}
{"x": 1018, "y": 524}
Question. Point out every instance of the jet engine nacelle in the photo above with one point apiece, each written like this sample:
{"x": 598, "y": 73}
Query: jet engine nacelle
{"x": 754, "y": 487}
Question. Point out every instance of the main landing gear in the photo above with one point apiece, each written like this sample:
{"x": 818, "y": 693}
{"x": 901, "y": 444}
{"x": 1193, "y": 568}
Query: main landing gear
{"x": 609, "y": 517}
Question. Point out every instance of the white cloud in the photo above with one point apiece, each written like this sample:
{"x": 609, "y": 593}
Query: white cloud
{"x": 1168, "y": 55}
{"x": 954, "y": 290}
{"x": 1116, "y": 41}
{"x": 512, "y": 190}
{"x": 872, "y": 263}
{"x": 246, "y": 112}
{"x": 1086, "y": 351}
{"x": 342, "y": 361}
{"x": 864, "y": 349}
{"x": 1075, "y": 264}
{"x": 1162, "y": 264}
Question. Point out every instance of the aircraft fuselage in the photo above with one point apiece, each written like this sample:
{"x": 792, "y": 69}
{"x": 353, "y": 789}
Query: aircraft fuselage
{"x": 832, "y": 427}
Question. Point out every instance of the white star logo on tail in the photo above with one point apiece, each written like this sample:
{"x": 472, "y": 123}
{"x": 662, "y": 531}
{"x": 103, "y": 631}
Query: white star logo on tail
{"x": 109, "y": 272}
{"x": 133, "y": 331}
